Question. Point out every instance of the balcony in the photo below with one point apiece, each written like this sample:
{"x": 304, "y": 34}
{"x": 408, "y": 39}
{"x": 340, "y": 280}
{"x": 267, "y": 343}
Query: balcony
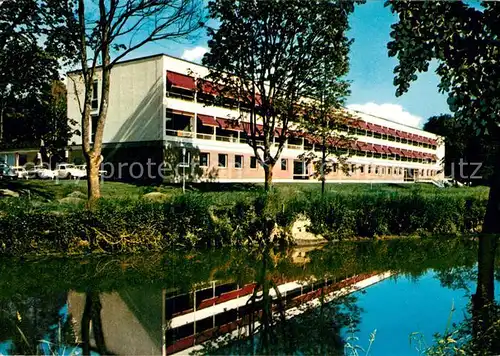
{"x": 179, "y": 133}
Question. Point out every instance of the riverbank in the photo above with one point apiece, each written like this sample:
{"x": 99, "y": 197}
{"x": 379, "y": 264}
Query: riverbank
{"x": 51, "y": 218}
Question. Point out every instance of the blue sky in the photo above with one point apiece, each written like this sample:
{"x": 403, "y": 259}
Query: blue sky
{"x": 371, "y": 70}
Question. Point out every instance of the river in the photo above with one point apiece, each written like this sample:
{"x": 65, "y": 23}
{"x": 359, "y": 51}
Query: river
{"x": 356, "y": 298}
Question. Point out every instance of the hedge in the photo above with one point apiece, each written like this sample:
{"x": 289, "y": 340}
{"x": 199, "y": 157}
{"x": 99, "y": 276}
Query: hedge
{"x": 201, "y": 220}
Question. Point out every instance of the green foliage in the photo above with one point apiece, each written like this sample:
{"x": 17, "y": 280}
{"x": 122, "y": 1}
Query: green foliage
{"x": 32, "y": 99}
{"x": 369, "y": 215}
{"x": 278, "y": 51}
{"x": 215, "y": 219}
{"x": 462, "y": 147}
{"x": 463, "y": 39}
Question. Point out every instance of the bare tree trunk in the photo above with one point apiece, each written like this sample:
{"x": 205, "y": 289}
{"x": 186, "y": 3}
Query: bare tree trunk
{"x": 323, "y": 162}
{"x": 268, "y": 176}
{"x": 93, "y": 184}
{"x": 491, "y": 224}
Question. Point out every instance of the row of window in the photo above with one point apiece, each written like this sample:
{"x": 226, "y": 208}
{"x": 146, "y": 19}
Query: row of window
{"x": 356, "y": 154}
{"x": 381, "y": 170}
{"x": 232, "y": 104}
{"x": 238, "y": 163}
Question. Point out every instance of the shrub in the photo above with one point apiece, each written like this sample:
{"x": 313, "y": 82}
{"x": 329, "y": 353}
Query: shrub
{"x": 200, "y": 220}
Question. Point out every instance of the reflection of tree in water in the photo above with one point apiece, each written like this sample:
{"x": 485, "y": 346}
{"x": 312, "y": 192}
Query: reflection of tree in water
{"x": 270, "y": 330}
{"x": 30, "y": 322}
{"x": 92, "y": 315}
{"x": 42, "y": 325}
{"x": 479, "y": 333}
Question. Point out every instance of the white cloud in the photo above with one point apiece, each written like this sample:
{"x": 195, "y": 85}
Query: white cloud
{"x": 194, "y": 54}
{"x": 388, "y": 111}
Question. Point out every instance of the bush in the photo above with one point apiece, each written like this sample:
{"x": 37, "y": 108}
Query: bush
{"x": 201, "y": 220}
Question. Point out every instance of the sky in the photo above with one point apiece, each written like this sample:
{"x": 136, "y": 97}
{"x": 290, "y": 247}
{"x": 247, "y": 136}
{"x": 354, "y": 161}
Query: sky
{"x": 371, "y": 69}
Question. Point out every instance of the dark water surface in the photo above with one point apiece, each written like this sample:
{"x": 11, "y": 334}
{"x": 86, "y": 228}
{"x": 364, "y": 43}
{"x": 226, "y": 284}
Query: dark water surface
{"x": 382, "y": 297}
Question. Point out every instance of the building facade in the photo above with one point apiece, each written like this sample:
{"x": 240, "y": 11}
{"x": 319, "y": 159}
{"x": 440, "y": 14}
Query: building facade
{"x": 160, "y": 111}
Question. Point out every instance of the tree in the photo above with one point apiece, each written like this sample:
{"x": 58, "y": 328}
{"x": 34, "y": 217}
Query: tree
{"x": 463, "y": 151}
{"x": 27, "y": 68}
{"x": 93, "y": 32}
{"x": 265, "y": 56}
{"x": 321, "y": 119}
{"x": 464, "y": 41}
{"x": 30, "y": 119}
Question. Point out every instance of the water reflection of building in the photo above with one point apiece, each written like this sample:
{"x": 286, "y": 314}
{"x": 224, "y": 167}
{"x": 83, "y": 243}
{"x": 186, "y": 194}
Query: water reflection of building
{"x": 168, "y": 322}
{"x": 208, "y": 313}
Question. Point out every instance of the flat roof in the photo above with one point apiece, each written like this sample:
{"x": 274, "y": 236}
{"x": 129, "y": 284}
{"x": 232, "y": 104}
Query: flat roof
{"x": 141, "y": 59}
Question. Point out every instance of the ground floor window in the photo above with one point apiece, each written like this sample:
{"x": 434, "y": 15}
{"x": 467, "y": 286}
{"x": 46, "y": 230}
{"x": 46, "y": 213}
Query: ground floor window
{"x": 238, "y": 161}
{"x": 284, "y": 164}
{"x": 300, "y": 170}
{"x": 253, "y": 162}
{"x": 204, "y": 159}
{"x": 222, "y": 160}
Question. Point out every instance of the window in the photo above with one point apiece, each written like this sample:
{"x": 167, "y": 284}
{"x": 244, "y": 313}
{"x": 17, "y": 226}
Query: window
{"x": 204, "y": 159}
{"x": 362, "y": 169}
{"x": 222, "y": 160}
{"x": 253, "y": 162}
{"x": 238, "y": 161}
{"x": 284, "y": 164}
{"x": 389, "y": 170}
{"x": 95, "y": 96}
{"x": 353, "y": 168}
{"x": 175, "y": 122}
{"x": 369, "y": 169}
{"x": 376, "y": 169}
{"x": 335, "y": 168}
{"x": 93, "y": 127}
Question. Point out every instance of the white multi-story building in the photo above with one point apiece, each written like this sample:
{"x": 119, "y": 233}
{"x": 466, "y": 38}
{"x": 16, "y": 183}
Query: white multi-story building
{"x": 157, "y": 107}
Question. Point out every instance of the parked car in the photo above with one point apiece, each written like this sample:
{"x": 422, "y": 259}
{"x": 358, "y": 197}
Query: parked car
{"x": 39, "y": 171}
{"x": 68, "y": 170}
{"x": 45, "y": 173}
{"x": 21, "y": 172}
{"x": 83, "y": 167}
{"x": 6, "y": 172}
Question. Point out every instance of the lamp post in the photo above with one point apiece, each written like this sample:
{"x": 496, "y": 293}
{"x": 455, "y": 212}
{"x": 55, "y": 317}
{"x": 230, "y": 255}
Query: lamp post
{"x": 183, "y": 169}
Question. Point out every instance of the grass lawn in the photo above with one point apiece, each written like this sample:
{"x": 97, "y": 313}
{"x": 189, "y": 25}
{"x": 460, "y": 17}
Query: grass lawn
{"x": 47, "y": 190}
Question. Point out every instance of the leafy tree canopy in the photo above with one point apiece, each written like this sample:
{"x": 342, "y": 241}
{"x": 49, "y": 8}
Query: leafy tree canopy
{"x": 279, "y": 52}
{"x": 464, "y": 41}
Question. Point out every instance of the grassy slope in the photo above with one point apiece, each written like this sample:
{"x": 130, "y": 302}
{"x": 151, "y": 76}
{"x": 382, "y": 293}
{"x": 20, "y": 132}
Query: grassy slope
{"x": 46, "y": 194}
{"x": 59, "y": 189}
